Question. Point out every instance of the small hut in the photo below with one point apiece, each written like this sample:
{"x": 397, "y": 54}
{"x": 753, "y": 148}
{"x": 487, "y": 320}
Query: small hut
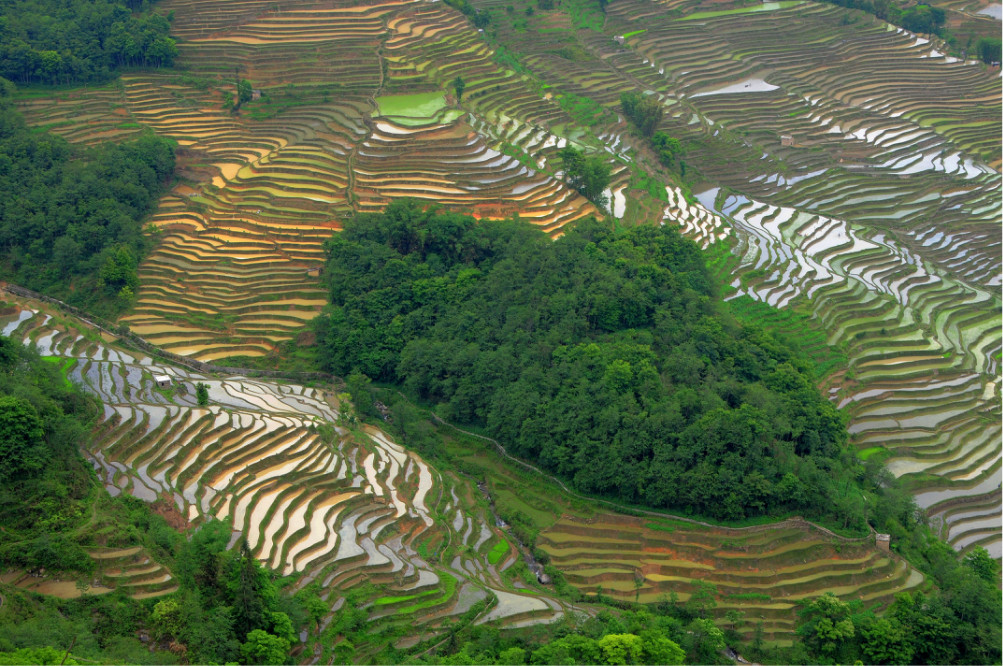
{"x": 786, "y": 140}
{"x": 163, "y": 381}
{"x": 883, "y": 542}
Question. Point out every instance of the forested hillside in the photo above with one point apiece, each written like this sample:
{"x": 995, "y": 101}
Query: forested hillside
{"x": 71, "y": 217}
{"x": 43, "y": 481}
{"x": 604, "y": 357}
{"x": 77, "y": 41}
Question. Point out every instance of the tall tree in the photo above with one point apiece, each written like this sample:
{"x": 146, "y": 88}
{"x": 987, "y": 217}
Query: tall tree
{"x": 246, "y": 588}
{"x": 645, "y": 111}
{"x": 588, "y": 174}
{"x": 21, "y": 443}
{"x": 827, "y": 628}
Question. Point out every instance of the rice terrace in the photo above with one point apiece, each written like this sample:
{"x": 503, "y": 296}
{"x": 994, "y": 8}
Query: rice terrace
{"x": 500, "y": 331}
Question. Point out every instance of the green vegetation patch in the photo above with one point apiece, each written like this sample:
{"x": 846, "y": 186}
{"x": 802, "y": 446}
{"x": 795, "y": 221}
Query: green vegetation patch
{"x": 648, "y": 388}
{"x": 794, "y": 328}
{"x": 420, "y": 105}
{"x": 79, "y": 41}
{"x": 584, "y": 110}
{"x": 764, "y": 7}
{"x": 498, "y": 552}
{"x": 72, "y": 216}
{"x": 750, "y": 596}
{"x": 448, "y": 590}
{"x": 587, "y": 14}
{"x": 386, "y": 601}
{"x": 64, "y": 365}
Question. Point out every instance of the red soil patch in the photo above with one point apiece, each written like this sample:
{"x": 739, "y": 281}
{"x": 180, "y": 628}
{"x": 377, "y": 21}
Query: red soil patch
{"x": 166, "y": 507}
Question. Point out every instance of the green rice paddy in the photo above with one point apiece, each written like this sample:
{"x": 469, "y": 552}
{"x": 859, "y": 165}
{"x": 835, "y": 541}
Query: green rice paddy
{"x": 420, "y": 105}
{"x": 498, "y": 552}
{"x": 386, "y": 601}
{"x": 864, "y": 454}
{"x": 765, "y": 7}
{"x": 448, "y": 589}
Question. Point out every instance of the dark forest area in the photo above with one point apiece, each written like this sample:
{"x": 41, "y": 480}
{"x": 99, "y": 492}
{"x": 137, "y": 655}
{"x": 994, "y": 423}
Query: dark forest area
{"x": 606, "y": 358}
{"x": 80, "y": 41}
{"x": 71, "y": 218}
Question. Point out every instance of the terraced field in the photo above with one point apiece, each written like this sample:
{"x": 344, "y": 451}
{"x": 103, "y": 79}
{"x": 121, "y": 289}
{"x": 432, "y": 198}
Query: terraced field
{"x": 235, "y": 273}
{"x": 129, "y": 569}
{"x": 853, "y": 168}
{"x": 322, "y": 502}
{"x": 762, "y": 573}
{"x": 850, "y": 168}
{"x": 322, "y": 499}
{"x": 882, "y": 219}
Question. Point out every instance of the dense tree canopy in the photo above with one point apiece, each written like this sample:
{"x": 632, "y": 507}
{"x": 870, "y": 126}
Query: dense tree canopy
{"x": 662, "y": 636}
{"x": 71, "y": 217}
{"x": 587, "y": 174}
{"x": 604, "y": 357}
{"x": 989, "y": 50}
{"x": 75, "y": 41}
{"x": 917, "y": 17}
{"x": 42, "y": 477}
{"x": 645, "y": 111}
{"x": 229, "y": 608}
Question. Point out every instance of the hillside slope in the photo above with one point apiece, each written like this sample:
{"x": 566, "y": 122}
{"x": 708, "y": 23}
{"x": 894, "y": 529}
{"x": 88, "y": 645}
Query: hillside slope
{"x": 850, "y": 169}
{"x": 374, "y": 526}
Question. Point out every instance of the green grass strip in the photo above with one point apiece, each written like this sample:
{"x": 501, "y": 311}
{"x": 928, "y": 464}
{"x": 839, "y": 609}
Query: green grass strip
{"x": 864, "y": 454}
{"x": 498, "y": 552}
{"x": 385, "y": 601}
{"x": 750, "y": 596}
{"x": 765, "y": 7}
{"x": 449, "y": 589}
{"x": 64, "y": 367}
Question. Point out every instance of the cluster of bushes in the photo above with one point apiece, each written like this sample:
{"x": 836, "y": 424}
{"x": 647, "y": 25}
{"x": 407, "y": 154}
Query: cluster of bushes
{"x": 914, "y": 17}
{"x": 70, "y": 216}
{"x": 645, "y": 112}
{"x": 989, "y": 50}
{"x": 603, "y": 357}
{"x": 76, "y": 41}
{"x": 956, "y": 624}
{"x": 588, "y": 175}
{"x": 43, "y": 481}
{"x": 229, "y": 608}
{"x": 480, "y": 19}
{"x": 665, "y": 633}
